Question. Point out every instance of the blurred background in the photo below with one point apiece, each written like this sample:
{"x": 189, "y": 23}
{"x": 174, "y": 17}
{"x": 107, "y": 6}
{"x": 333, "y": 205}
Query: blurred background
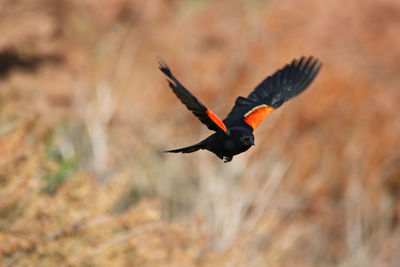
{"x": 85, "y": 112}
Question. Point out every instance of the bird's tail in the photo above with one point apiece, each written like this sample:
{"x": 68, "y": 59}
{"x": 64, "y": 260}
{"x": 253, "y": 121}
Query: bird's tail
{"x": 188, "y": 149}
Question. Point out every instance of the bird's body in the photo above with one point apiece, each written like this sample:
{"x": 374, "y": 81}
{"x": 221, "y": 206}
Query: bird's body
{"x": 234, "y": 135}
{"x": 225, "y": 147}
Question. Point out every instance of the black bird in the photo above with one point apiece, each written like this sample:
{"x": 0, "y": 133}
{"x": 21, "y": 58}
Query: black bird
{"x": 234, "y": 134}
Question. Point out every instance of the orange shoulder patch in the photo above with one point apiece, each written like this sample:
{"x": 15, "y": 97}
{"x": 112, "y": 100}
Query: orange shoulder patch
{"x": 255, "y": 116}
{"x": 216, "y": 120}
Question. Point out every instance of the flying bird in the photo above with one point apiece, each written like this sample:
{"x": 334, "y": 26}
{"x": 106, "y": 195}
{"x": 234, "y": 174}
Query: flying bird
{"x": 234, "y": 134}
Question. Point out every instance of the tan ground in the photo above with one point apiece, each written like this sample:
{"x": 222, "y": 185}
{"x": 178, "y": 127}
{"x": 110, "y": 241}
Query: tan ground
{"x": 84, "y": 112}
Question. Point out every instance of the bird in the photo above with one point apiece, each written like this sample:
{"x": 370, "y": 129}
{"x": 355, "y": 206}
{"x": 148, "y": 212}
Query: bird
{"x": 235, "y": 134}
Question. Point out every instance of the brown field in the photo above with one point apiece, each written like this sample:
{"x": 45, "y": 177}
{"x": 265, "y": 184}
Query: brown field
{"x": 84, "y": 114}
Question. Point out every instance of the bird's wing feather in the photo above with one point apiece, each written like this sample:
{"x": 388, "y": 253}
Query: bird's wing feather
{"x": 271, "y": 93}
{"x": 206, "y": 116}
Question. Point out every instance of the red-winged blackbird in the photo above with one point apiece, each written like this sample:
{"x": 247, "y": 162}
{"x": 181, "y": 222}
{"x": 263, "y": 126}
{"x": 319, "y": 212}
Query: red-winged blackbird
{"x": 234, "y": 134}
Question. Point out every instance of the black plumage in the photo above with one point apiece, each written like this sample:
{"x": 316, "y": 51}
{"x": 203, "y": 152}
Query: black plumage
{"x": 234, "y": 134}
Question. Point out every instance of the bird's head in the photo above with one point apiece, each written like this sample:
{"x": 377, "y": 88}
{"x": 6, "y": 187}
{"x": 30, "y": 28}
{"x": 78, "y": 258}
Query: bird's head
{"x": 248, "y": 140}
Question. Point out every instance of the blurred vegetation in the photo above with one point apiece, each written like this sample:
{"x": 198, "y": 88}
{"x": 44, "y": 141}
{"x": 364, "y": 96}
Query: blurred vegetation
{"x": 63, "y": 159}
{"x": 84, "y": 114}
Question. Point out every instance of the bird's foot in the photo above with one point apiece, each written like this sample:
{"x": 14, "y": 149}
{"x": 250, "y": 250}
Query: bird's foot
{"x": 227, "y": 159}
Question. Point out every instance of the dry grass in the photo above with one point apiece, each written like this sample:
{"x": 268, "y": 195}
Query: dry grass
{"x": 84, "y": 114}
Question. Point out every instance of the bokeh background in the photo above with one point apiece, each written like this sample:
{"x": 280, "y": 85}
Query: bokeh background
{"x": 84, "y": 114}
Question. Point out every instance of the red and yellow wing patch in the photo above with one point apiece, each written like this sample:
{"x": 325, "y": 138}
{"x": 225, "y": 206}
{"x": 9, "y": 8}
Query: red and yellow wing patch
{"x": 216, "y": 120}
{"x": 255, "y": 116}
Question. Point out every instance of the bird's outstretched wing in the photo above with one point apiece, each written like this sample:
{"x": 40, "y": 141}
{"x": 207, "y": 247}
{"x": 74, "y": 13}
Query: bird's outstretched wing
{"x": 206, "y": 116}
{"x": 271, "y": 93}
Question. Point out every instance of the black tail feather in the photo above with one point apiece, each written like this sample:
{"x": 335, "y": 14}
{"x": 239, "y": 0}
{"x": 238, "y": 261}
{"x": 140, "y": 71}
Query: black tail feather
{"x": 188, "y": 149}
